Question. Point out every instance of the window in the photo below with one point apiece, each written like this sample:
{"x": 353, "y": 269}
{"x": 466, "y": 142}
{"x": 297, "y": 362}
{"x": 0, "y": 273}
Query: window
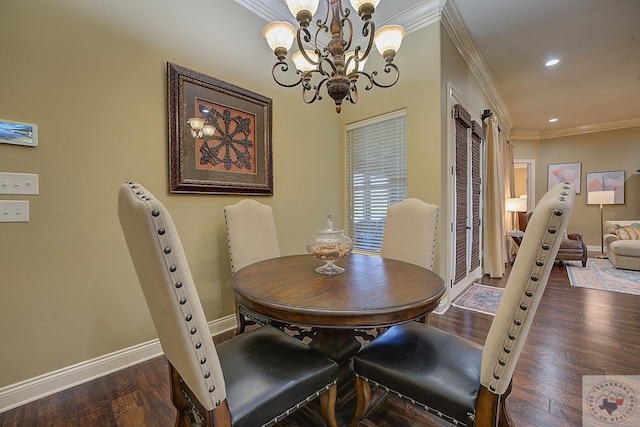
{"x": 376, "y": 176}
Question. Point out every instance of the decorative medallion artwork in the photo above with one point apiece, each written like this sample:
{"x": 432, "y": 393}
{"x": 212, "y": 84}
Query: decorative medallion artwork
{"x": 220, "y": 136}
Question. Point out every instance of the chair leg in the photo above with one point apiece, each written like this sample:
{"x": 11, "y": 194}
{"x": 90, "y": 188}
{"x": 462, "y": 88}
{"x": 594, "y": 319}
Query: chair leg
{"x": 241, "y": 321}
{"x": 363, "y": 400}
{"x": 328, "y": 406}
{"x": 178, "y": 399}
{"x": 491, "y": 409}
{"x": 505, "y": 418}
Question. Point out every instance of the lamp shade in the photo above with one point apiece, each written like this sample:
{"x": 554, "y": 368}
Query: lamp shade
{"x": 389, "y": 37}
{"x": 601, "y": 197}
{"x": 279, "y": 34}
{"x": 301, "y": 62}
{"x": 516, "y": 204}
{"x": 357, "y": 3}
{"x": 352, "y": 65}
{"x": 296, "y": 6}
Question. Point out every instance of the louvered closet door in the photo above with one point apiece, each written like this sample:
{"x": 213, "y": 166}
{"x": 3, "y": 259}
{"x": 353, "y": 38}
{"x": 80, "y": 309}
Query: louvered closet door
{"x": 467, "y": 177}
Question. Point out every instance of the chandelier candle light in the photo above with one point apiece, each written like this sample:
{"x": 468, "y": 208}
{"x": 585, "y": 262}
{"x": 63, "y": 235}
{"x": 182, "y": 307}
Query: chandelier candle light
{"x": 333, "y": 65}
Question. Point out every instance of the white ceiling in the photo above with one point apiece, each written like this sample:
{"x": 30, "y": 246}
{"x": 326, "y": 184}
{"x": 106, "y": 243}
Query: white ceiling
{"x": 596, "y": 85}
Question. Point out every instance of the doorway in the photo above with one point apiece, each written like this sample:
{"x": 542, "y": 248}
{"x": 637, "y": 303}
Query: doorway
{"x": 525, "y": 181}
{"x": 466, "y": 160}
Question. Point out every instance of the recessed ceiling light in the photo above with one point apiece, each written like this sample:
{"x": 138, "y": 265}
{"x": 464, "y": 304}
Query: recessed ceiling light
{"x": 551, "y": 62}
{"x": 553, "y": 120}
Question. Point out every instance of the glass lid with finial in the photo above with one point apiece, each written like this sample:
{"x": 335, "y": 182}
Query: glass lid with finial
{"x": 329, "y": 245}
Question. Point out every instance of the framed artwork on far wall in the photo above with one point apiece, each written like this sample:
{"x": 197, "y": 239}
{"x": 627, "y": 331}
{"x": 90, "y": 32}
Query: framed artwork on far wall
{"x": 607, "y": 181}
{"x": 565, "y": 172}
{"x": 219, "y": 136}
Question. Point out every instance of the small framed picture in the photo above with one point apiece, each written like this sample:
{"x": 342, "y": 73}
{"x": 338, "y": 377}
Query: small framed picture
{"x": 565, "y": 172}
{"x": 607, "y": 181}
{"x": 18, "y": 133}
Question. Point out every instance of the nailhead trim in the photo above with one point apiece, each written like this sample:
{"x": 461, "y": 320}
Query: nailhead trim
{"x": 427, "y": 408}
{"x": 530, "y": 289}
{"x": 163, "y": 241}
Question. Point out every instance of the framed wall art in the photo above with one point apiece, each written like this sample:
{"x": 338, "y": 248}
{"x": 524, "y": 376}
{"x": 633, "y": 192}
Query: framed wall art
{"x": 18, "y": 133}
{"x": 607, "y": 181}
{"x": 565, "y": 172}
{"x": 219, "y": 136}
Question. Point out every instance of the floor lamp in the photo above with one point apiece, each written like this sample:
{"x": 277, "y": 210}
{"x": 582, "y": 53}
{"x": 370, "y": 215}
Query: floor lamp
{"x": 601, "y": 198}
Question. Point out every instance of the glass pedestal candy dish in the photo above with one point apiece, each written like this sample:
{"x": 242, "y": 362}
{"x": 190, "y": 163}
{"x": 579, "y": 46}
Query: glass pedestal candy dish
{"x": 329, "y": 245}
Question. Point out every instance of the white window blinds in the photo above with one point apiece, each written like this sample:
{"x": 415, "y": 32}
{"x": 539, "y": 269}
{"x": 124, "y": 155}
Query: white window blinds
{"x": 376, "y": 176}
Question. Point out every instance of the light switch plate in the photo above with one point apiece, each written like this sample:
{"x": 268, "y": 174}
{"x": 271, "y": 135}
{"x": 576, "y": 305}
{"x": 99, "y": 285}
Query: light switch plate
{"x": 14, "y": 211}
{"x": 18, "y": 183}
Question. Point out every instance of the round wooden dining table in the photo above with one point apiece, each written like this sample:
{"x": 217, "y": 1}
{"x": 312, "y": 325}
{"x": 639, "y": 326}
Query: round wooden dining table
{"x": 373, "y": 292}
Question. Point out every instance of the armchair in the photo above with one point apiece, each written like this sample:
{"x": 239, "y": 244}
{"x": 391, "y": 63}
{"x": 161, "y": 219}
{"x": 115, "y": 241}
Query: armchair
{"x": 572, "y": 247}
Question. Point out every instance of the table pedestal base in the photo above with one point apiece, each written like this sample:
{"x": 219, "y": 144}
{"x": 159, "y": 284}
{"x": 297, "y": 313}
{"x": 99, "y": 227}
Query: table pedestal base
{"x": 340, "y": 345}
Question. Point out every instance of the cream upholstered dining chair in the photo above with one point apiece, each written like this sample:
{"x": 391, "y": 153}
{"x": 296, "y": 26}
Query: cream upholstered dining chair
{"x": 254, "y": 379}
{"x": 410, "y": 232}
{"x": 450, "y": 376}
{"x": 251, "y": 237}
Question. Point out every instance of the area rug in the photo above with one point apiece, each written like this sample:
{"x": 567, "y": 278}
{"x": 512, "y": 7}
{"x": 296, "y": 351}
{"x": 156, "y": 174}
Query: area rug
{"x": 480, "y": 298}
{"x": 602, "y": 275}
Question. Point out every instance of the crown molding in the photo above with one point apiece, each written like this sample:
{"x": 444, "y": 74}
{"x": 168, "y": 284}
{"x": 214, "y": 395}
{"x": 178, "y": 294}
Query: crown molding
{"x": 419, "y": 16}
{"x": 457, "y": 30}
{"x": 268, "y": 10}
{"x": 578, "y": 130}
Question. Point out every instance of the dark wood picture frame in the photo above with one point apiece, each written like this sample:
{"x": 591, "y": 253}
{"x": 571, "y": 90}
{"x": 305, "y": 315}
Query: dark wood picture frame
{"x": 237, "y": 159}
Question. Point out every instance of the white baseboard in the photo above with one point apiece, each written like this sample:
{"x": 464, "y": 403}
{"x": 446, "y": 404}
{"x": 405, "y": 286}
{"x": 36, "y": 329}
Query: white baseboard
{"x": 47, "y": 384}
{"x": 443, "y": 306}
{"x": 595, "y": 250}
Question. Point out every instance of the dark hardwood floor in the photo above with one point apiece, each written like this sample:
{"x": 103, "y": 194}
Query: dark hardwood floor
{"x": 576, "y": 332}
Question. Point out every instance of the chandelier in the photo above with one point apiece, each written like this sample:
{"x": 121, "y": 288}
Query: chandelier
{"x": 335, "y": 65}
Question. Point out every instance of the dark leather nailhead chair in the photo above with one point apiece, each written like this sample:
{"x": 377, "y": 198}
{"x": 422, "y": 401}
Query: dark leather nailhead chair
{"x": 254, "y": 379}
{"x": 450, "y": 376}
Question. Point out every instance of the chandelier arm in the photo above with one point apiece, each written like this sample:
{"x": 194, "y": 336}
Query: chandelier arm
{"x": 387, "y": 69}
{"x": 367, "y": 32}
{"x": 307, "y": 38}
{"x": 331, "y": 64}
{"x": 346, "y": 19}
{"x": 284, "y": 67}
{"x": 322, "y": 26}
{"x": 316, "y": 91}
{"x": 353, "y": 93}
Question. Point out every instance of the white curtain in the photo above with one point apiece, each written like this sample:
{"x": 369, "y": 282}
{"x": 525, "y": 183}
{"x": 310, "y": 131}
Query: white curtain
{"x": 495, "y": 251}
{"x": 511, "y": 218}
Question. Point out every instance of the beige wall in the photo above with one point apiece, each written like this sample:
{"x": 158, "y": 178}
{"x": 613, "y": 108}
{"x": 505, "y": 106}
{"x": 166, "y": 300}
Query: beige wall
{"x": 520, "y": 181}
{"x": 92, "y": 76}
{"x": 598, "y": 152}
{"x": 418, "y": 90}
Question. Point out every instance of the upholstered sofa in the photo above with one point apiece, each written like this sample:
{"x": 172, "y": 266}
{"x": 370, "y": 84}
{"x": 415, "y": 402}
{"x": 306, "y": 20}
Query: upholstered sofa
{"x": 622, "y": 240}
